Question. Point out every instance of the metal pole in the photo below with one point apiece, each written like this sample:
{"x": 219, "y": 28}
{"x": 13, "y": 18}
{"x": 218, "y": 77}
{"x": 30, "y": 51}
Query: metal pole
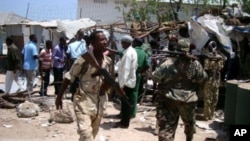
{"x": 30, "y": 98}
{"x": 80, "y": 13}
{"x": 27, "y": 11}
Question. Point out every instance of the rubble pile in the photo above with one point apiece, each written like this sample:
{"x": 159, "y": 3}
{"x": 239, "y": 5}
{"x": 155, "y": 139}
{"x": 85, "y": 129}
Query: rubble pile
{"x": 12, "y": 100}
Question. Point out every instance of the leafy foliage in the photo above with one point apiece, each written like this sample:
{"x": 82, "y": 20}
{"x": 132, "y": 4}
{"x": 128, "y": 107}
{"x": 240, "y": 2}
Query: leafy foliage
{"x": 139, "y": 11}
{"x": 134, "y": 10}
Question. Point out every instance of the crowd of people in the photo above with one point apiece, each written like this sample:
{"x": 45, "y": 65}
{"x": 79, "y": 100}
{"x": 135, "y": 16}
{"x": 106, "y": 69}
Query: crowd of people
{"x": 176, "y": 80}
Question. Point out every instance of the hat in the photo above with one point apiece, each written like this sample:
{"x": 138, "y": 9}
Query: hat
{"x": 183, "y": 45}
{"x": 139, "y": 40}
{"x": 127, "y": 39}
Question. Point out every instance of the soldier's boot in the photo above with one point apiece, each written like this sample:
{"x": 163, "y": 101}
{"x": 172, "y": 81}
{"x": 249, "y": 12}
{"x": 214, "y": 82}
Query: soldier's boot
{"x": 6, "y": 104}
{"x": 189, "y": 138}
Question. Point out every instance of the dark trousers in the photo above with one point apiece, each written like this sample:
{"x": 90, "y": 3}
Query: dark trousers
{"x": 140, "y": 88}
{"x": 126, "y": 109}
{"x": 58, "y": 78}
{"x": 45, "y": 82}
{"x": 73, "y": 88}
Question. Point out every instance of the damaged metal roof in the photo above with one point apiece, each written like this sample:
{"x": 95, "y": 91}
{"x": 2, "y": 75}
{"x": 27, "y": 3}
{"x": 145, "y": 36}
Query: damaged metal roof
{"x": 11, "y": 18}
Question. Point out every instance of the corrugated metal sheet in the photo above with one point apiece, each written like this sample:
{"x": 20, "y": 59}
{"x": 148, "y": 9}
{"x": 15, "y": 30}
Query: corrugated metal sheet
{"x": 11, "y": 18}
{"x": 45, "y": 24}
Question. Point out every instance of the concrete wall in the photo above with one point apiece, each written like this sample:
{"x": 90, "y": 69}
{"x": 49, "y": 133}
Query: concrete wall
{"x": 106, "y": 13}
{"x": 102, "y": 13}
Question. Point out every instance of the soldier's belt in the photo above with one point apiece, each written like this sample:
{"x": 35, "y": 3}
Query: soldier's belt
{"x": 213, "y": 64}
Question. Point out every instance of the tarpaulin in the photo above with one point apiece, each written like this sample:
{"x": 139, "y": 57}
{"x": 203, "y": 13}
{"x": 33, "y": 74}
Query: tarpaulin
{"x": 213, "y": 25}
{"x": 69, "y": 28}
{"x": 242, "y": 29}
{"x": 198, "y": 36}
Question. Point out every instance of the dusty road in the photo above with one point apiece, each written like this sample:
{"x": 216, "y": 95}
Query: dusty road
{"x": 141, "y": 128}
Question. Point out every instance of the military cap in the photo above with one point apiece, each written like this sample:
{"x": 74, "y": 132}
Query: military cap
{"x": 183, "y": 45}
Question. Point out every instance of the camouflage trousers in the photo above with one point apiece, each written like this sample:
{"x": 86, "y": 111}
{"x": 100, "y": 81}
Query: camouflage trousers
{"x": 168, "y": 112}
{"x": 88, "y": 115}
{"x": 210, "y": 99}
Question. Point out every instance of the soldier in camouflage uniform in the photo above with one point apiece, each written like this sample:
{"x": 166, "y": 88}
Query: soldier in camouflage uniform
{"x": 212, "y": 63}
{"x": 90, "y": 98}
{"x": 178, "y": 80}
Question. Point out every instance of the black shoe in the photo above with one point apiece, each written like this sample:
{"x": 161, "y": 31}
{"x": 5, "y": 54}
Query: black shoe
{"x": 120, "y": 125}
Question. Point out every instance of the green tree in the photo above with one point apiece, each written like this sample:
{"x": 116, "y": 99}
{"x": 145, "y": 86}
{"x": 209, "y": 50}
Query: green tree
{"x": 134, "y": 10}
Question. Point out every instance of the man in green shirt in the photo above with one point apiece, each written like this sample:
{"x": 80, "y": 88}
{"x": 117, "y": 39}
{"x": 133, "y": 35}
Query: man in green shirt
{"x": 13, "y": 65}
{"x": 143, "y": 65}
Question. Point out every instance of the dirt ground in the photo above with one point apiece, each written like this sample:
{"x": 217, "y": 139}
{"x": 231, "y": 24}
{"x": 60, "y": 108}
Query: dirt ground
{"x": 141, "y": 128}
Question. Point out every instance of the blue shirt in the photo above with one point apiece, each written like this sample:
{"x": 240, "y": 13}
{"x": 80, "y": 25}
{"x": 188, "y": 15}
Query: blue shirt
{"x": 28, "y": 52}
{"x": 76, "y": 49}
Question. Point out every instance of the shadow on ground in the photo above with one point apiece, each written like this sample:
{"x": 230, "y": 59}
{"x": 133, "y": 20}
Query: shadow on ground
{"x": 146, "y": 129}
{"x": 107, "y": 125}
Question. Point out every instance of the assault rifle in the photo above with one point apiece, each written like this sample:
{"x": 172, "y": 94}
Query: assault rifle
{"x": 108, "y": 79}
{"x": 175, "y": 54}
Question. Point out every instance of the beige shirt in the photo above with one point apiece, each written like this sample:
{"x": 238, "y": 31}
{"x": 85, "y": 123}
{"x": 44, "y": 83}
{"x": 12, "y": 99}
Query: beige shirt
{"x": 88, "y": 95}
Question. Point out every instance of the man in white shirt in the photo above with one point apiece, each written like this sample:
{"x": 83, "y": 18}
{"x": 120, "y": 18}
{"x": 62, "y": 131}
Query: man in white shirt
{"x": 127, "y": 78}
{"x": 77, "y": 48}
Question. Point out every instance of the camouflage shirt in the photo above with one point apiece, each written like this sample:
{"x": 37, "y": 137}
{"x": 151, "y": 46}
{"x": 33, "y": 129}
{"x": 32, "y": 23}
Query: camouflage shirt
{"x": 179, "y": 78}
{"x": 87, "y": 97}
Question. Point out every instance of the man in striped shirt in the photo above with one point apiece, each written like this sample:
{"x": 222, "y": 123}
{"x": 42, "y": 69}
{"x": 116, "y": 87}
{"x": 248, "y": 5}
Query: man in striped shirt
{"x": 45, "y": 61}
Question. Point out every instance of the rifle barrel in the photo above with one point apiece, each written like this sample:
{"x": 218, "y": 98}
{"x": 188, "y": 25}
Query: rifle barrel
{"x": 172, "y": 54}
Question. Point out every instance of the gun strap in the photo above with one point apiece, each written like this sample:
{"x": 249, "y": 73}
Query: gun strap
{"x": 84, "y": 69}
